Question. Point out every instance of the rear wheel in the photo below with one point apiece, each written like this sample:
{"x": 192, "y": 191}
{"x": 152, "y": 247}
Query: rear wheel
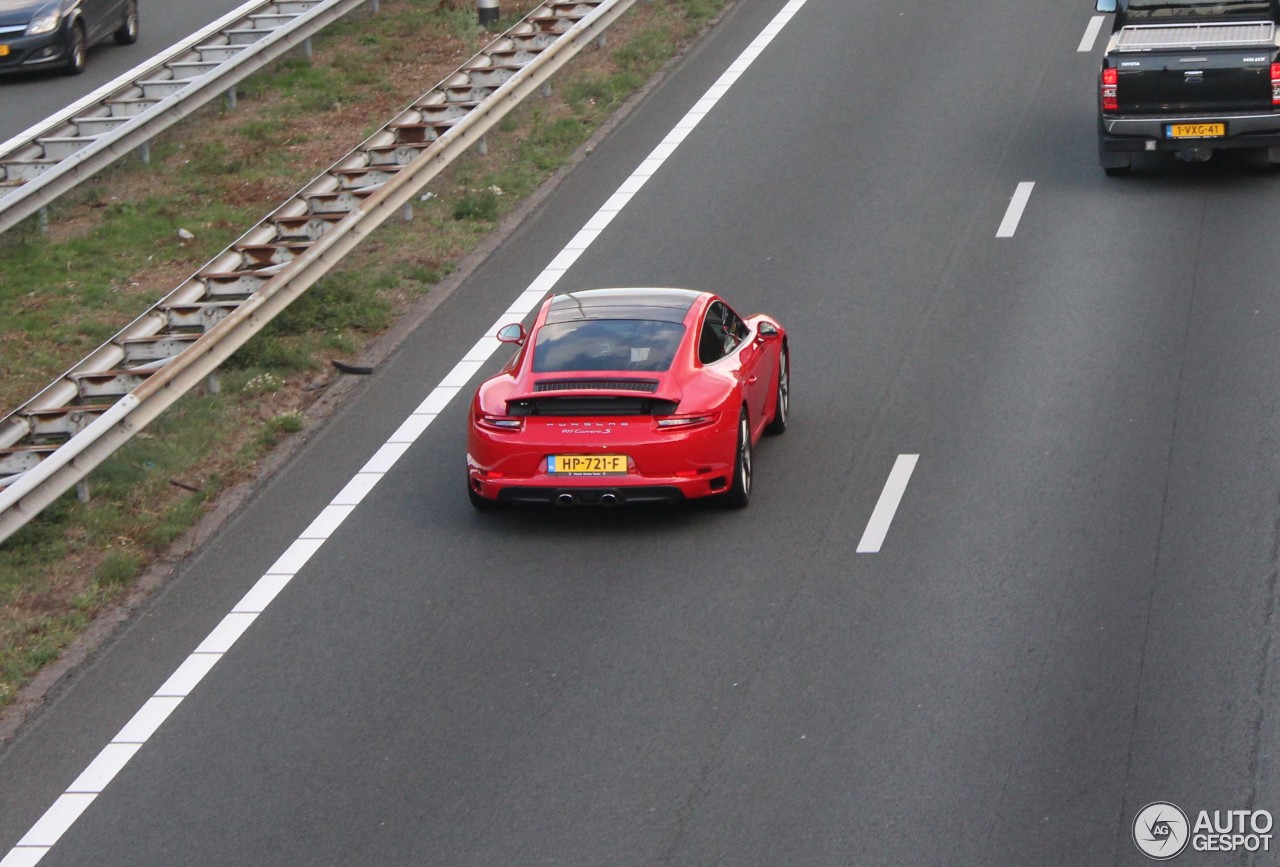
{"x": 479, "y": 503}
{"x": 1112, "y": 163}
{"x": 782, "y": 403}
{"x": 739, "y": 493}
{"x": 128, "y": 32}
{"x": 77, "y": 50}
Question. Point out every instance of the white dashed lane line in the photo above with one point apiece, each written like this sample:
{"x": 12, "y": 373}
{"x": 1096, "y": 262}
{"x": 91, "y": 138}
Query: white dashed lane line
{"x": 1091, "y": 34}
{"x": 887, "y": 506}
{"x": 1012, "y": 216}
{"x": 113, "y": 758}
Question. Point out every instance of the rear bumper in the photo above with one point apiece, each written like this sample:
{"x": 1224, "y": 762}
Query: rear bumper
{"x": 661, "y": 468}
{"x": 1126, "y": 134}
{"x": 599, "y": 490}
{"x": 592, "y": 496}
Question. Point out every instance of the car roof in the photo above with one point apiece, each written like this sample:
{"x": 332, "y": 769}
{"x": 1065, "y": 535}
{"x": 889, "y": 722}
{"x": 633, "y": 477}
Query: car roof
{"x": 663, "y": 305}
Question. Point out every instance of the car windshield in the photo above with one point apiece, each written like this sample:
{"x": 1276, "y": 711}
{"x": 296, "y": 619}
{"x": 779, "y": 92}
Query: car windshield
{"x": 606, "y": 344}
{"x": 1206, "y": 8}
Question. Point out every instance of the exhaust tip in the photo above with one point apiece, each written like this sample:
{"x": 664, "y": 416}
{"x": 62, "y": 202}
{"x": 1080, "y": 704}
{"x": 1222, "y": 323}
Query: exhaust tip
{"x": 608, "y": 499}
{"x": 564, "y": 499}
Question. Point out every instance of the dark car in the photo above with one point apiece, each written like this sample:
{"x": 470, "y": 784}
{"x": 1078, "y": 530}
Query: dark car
{"x": 56, "y": 34}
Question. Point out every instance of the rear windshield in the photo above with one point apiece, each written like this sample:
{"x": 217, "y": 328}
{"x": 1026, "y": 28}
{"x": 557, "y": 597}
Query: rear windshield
{"x": 606, "y": 344}
{"x": 1207, "y": 8}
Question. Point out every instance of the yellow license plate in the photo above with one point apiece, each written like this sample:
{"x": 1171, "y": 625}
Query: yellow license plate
{"x": 4, "y": 50}
{"x": 1196, "y": 130}
{"x": 587, "y": 465}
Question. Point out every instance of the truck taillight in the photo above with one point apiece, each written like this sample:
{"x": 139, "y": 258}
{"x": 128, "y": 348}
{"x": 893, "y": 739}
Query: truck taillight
{"x": 1111, "y": 87}
{"x": 1275, "y": 84}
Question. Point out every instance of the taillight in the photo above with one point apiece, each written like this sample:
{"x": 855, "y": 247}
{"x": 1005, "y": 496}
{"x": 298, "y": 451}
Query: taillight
{"x": 1111, "y": 87}
{"x": 685, "y": 422}
{"x": 1275, "y": 84}
{"x": 500, "y": 423}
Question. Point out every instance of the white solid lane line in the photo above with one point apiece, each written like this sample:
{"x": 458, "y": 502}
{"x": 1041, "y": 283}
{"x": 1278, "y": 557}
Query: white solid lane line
{"x": 887, "y": 507}
{"x": 1091, "y": 33}
{"x": 64, "y": 812}
{"x": 1017, "y": 205}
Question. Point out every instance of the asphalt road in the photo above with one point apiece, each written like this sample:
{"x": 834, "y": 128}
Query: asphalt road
{"x": 1070, "y": 617}
{"x": 28, "y": 99}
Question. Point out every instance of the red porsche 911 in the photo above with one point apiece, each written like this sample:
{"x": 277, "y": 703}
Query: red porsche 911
{"x": 628, "y": 396}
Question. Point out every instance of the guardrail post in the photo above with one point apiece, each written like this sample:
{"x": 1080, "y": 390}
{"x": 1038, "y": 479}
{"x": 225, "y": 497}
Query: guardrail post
{"x": 406, "y": 213}
{"x": 42, "y": 219}
{"x": 145, "y": 153}
{"x": 373, "y": 6}
{"x": 213, "y": 384}
{"x": 82, "y": 490}
{"x": 306, "y": 48}
{"x": 482, "y": 146}
{"x": 546, "y": 89}
{"x": 231, "y": 98}
{"x": 488, "y": 12}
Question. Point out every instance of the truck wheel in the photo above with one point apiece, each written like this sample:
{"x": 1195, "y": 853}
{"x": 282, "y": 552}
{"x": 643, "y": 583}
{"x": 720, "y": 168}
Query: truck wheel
{"x": 1112, "y": 162}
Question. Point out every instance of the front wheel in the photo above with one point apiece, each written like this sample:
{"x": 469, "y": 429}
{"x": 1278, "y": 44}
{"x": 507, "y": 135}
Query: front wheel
{"x": 128, "y": 32}
{"x": 77, "y": 50}
{"x": 739, "y": 493}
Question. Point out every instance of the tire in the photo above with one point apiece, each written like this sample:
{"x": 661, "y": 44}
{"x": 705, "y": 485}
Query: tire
{"x": 1113, "y": 163}
{"x": 77, "y": 51}
{"x": 479, "y": 503}
{"x": 782, "y": 401}
{"x": 128, "y": 32}
{"x": 739, "y": 493}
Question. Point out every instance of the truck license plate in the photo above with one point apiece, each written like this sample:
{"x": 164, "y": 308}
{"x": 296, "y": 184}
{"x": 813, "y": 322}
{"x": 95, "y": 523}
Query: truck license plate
{"x": 1195, "y": 130}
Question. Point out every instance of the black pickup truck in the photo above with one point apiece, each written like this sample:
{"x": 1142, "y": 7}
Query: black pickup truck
{"x": 1189, "y": 76}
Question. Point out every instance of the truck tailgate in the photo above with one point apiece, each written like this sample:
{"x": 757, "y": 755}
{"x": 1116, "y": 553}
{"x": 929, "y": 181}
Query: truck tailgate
{"x": 1194, "y": 67}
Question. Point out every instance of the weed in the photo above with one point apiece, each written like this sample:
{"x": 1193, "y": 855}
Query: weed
{"x": 481, "y": 205}
{"x": 118, "y": 569}
{"x": 285, "y": 423}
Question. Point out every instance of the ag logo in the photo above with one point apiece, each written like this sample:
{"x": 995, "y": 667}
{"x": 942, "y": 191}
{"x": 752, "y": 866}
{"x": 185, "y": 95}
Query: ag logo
{"x": 1161, "y": 831}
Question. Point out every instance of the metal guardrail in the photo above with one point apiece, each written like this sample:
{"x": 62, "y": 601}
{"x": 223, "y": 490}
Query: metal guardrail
{"x": 49, "y": 159}
{"x": 56, "y": 438}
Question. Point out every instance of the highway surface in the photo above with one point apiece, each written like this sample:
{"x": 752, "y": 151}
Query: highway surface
{"x": 1070, "y": 615}
{"x": 29, "y": 99}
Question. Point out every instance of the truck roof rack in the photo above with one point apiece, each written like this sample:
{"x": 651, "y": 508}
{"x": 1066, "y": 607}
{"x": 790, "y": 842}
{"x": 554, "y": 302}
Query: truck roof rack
{"x": 1157, "y": 37}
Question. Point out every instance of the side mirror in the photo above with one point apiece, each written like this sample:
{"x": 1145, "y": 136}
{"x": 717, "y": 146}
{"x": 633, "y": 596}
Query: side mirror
{"x": 768, "y": 330}
{"x": 513, "y": 333}
{"x": 1106, "y": 6}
